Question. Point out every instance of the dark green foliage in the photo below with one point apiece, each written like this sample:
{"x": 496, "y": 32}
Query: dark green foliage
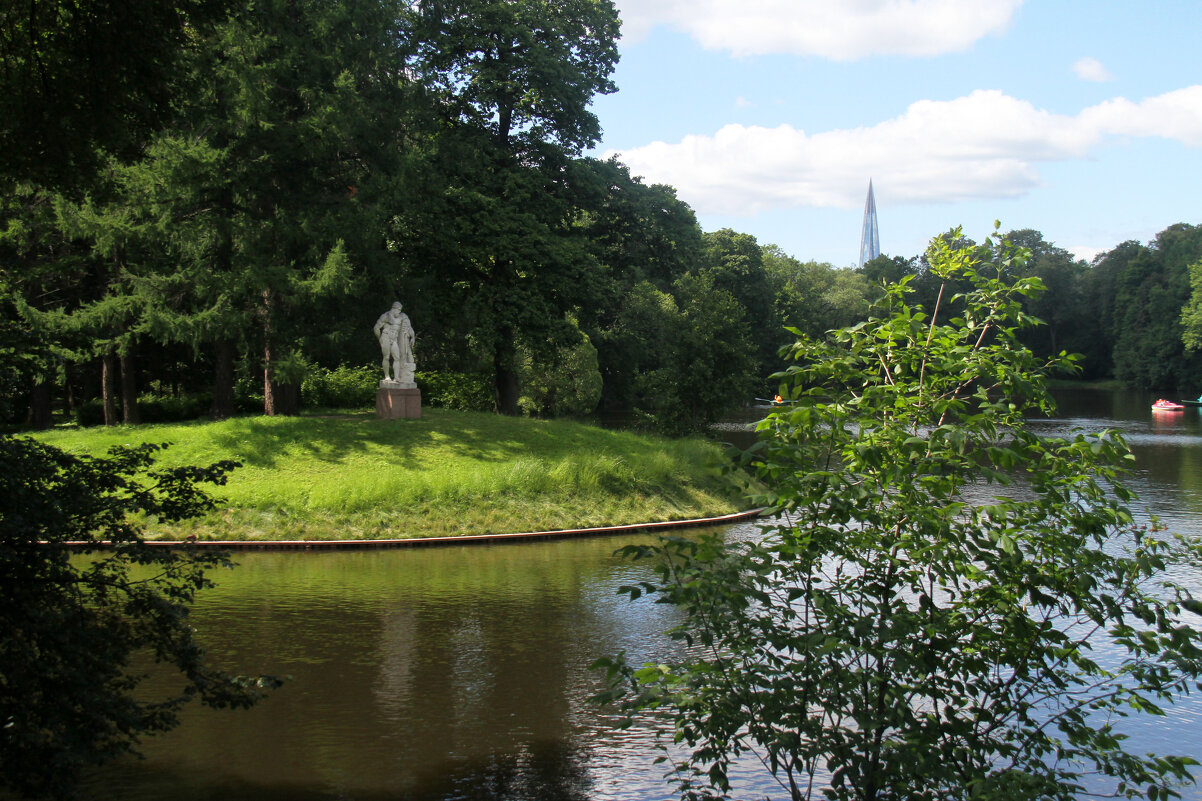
{"x": 1152, "y": 289}
{"x": 631, "y": 347}
{"x": 508, "y": 266}
{"x": 153, "y": 409}
{"x": 566, "y": 385}
{"x": 70, "y": 626}
{"x": 682, "y": 359}
{"x": 522, "y": 70}
{"x": 275, "y": 173}
{"x": 517, "y": 77}
{"x": 1067, "y": 324}
{"x": 341, "y": 388}
{"x": 23, "y": 359}
{"x": 1191, "y": 314}
{"x": 635, "y": 232}
{"x": 815, "y": 298}
{"x": 886, "y": 269}
{"x": 43, "y": 273}
{"x": 259, "y": 208}
{"x": 734, "y": 263}
{"x": 465, "y": 392}
{"x": 642, "y": 240}
{"x": 1122, "y": 313}
{"x": 948, "y": 605}
{"x": 79, "y": 75}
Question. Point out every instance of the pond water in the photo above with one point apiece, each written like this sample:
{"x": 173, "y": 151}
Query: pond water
{"x": 462, "y": 672}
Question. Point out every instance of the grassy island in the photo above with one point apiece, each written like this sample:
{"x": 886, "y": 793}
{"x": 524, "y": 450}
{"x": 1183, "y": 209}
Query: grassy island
{"x": 450, "y": 473}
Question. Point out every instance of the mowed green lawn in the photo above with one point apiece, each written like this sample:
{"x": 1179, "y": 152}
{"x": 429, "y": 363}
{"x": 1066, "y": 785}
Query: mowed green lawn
{"x": 355, "y": 476}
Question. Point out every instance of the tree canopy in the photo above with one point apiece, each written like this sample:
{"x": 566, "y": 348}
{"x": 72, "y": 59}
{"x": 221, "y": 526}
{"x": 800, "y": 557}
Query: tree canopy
{"x": 219, "y": 215}
{"x": 82, "y": 77}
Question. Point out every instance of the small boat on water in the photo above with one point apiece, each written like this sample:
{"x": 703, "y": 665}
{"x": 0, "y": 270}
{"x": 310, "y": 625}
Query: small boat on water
{"x": 1197, "y": 402}
{"x": 1163, "y": 405}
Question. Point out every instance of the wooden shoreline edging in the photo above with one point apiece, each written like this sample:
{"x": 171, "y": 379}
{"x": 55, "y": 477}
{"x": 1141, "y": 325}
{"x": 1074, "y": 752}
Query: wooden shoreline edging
{"x": 422, "y": 542}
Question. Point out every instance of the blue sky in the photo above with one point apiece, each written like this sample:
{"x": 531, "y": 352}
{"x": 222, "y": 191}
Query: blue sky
{"x": 1080, "y": 119}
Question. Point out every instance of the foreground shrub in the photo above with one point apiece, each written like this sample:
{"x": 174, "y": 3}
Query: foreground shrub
{"x": 950, "y": 607}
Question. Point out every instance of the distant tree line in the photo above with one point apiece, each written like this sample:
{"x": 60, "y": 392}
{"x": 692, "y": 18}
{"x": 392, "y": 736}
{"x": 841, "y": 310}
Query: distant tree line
{"x": 232, "y": 231}
{"x": 1132, "y": 313}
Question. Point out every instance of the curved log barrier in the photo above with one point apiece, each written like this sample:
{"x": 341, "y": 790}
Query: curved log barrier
{"x": 466, "y": 539}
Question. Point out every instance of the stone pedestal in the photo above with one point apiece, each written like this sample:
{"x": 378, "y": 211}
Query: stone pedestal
{"x": 397, "y": 402}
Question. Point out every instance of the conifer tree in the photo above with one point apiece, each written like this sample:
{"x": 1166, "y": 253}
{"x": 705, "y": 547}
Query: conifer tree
{"x": 257, "y": 209}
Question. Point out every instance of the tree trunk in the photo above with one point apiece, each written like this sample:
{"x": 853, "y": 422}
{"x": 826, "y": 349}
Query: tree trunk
{"x": 129, "y": 389}
{"x": 269, "y": 400}
{"x": 108, "y": 387}
{"x": 39, "y": 405}
{"x": 70, "y": 376}
{"x": 506, "y": 385}
{"x": 278, "y": 397}
{"x": 270, "y": 406}
{"x": 223, "y": 381}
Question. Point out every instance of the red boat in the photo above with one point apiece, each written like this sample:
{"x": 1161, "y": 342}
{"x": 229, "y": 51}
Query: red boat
{"x": 1163, "y": 405}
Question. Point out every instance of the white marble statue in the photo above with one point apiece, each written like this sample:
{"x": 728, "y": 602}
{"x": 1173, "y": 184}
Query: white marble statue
{"x": 396, "y": 343}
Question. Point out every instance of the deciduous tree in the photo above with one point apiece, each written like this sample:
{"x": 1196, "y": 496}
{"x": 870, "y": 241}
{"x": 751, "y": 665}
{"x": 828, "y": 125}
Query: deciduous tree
{"x": 947, "y": 605}
{"x": 515, "y": 78}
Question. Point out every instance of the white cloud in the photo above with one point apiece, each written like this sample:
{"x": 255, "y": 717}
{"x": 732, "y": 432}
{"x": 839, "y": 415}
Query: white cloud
{"x": 742, "y": 102}
{"x": 1090, "y": 69}
{"x": 1174, "y": 115}
{"x": 984, "y": 145}
{"x": 1085, "y": 252}
{"x": 842, "y": 30}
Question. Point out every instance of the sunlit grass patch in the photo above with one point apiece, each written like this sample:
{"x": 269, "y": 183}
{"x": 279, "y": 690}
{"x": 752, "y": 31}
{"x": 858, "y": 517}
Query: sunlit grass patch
{"x": 449, "y": 473}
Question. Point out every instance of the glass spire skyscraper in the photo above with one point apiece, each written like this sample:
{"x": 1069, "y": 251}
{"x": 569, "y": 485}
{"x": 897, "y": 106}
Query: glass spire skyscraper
{"x": 870, "y": 238}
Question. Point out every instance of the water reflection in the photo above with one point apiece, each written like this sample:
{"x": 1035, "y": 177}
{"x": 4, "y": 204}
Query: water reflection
{"x": 462, "y": 673}
{"x": 1167, "y": 447}
{"x": 433, "y": 674}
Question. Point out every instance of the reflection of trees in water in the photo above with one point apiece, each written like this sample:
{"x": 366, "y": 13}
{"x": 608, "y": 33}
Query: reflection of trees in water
{"x": 1167, "y": 447}
{"x": 394, "y": 678}
{"x": 1189, "y": 480}
{"x": 473, "y": 692}
{"x": 552, "y": 771}
{"x": 537, "y": 772}
{"x": 419, "y": 675}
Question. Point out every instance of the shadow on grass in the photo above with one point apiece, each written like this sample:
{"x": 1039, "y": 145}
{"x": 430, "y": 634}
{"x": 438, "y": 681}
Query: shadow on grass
{"x": 264, "y": 442}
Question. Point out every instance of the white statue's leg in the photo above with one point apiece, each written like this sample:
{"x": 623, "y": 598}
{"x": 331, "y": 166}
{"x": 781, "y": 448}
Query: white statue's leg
{"x": 395, "y": 357}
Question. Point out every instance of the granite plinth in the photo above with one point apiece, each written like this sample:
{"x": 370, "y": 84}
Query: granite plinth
{"x": 393, "y": 403}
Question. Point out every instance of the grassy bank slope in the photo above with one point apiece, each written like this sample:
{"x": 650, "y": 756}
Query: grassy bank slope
{"x": 447, "y": 473}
